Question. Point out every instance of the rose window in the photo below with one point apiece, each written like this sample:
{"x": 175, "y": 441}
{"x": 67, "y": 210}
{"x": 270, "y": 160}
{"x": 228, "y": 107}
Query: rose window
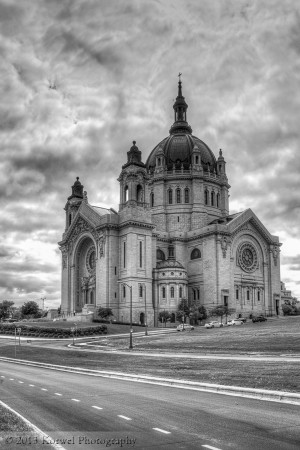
{"x": 247, "y": 257}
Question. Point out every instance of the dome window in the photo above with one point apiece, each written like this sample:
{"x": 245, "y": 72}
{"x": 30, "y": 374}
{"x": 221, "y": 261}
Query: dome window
{"x": 160, "y": 255}
{"x": 186, "y": 196}
{"x": 206, "y": 196}
{"x": 197, "y": 159}
{"x": 212, "y": 196}
{"x": 159, "y": 162}
{"x": 178, "y": 195}
{"x": 196, "y": 254}
{"x": 172, "y": 292}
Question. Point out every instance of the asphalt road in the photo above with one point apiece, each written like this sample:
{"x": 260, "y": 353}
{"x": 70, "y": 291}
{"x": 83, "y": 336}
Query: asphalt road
{"x": 90, "y": 412}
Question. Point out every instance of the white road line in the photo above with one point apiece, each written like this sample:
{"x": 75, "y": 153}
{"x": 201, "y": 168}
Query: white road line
{"x": 212, "y": 448}
{"x": 56, "y": 393}
{"x": 75, "y": 400}
{"x": 32, "y": 385}
{"x": 124, "y": 417}
{"x": 22, "y": 382}
{"x": 2, "y": 376}
{"x": 96, "y": 407}
{"x": 161, "y": 431}
{"x": 43, "y": 389}
{"x": 11, "y": 379}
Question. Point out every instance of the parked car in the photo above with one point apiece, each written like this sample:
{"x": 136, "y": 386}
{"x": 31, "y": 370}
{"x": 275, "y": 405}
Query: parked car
{"x": 213, "y": 324}
{"x": 243, "y": 319}
{"x": 259, "y": 319}
{"x": 186, "y": 327}
{"x": 235, "y": 322}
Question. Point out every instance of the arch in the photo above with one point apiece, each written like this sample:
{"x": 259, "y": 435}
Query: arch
{"x": 142, "y": 318}
{"x": 160, "y": 255}
{"x": 139, "y": 193}
{"x": 170, "y": 196}
{"x": 84, "y": 280}
{"x": 196, "y": 254}
{"x": 152, "y": 199}
{"x": 126, "y": 194}
{"x": 206, "y": 196}
{"x": 186, "y": 195}
{"x": 178, "y": 195}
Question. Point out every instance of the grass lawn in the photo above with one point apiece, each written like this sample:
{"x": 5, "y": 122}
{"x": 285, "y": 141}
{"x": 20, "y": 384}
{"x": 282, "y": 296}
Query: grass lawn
{"x": 276, "y": 337}
{"x": 9, "y": 422}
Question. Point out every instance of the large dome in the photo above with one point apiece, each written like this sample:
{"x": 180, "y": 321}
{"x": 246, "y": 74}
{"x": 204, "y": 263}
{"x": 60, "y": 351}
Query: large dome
{"x": 177, "y": 149}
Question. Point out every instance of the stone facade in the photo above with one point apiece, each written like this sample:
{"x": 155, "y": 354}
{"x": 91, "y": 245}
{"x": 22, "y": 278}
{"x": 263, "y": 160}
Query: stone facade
{"x": 172, "y": 238}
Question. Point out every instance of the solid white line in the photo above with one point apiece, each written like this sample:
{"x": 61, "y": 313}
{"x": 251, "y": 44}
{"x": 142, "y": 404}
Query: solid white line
{"x": 96, "y": 407}
{"x": 212, "y": 448}
{"x": 161, "y": 431}
{"x": 124, "y": 417}
{"x": 37, "y": 430}
{"x": 56, "y": 393}
{"x": 43, "y": 389}
{"x": 75, "y": 400}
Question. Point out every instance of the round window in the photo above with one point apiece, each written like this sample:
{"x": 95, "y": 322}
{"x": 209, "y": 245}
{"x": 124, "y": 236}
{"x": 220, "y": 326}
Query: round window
{"x": 247, "y": 257}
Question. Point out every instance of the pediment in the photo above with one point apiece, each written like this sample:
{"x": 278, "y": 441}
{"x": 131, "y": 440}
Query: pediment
{"x": 80, "y": 225}
{"x": 247, "y": 219}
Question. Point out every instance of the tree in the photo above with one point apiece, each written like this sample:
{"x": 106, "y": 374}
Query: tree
{"x": 287, "y": 309}
{"x": 220, "y": 311}
{"x": 186, "y": 308}
{"x": 6, "y": 309}
{"x": 31, "y": 308}
{"x": 202, "y": 313}
{"x": 163, "y": 316}
{"x": 105, "y": 313}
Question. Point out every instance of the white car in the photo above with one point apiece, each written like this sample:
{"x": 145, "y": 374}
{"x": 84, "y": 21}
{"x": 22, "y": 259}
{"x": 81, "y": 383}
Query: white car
{"x": 185, "y": 327}
{"x": 235, "y": 322}
{"x": 213, "y": 324}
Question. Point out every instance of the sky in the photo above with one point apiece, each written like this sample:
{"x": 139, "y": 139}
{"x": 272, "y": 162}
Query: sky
{"x": 81, "y": 79}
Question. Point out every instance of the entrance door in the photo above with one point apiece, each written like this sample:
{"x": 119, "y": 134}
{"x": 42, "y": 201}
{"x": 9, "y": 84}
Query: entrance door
{"x": 142, "y": 318}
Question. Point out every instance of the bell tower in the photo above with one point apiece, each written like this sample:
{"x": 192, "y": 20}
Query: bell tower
{"x": 73, "y": 203}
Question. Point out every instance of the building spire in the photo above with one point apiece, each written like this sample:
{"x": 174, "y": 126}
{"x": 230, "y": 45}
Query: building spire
{"x": 180, "y": 106}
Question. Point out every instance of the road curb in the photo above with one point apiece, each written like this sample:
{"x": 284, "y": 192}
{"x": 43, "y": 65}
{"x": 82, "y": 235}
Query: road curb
{"x": 259, "y": 394}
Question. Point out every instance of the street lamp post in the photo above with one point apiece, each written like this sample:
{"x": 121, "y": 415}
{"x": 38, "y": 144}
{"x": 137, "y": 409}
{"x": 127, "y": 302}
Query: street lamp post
{"x": 131, "y": 330}
{"x": 146, "y": 324}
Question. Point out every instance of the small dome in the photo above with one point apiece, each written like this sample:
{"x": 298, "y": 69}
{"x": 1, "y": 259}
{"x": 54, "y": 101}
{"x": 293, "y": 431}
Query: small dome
{"x": 169, "y": 264}
{"x": 178, "y": 148}
{"x": 77, "y": 182}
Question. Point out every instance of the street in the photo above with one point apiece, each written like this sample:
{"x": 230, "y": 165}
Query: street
{"x": 90, "y": 412}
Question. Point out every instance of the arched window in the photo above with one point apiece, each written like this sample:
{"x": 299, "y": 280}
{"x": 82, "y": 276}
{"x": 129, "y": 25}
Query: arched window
{"x": 70, "y": 219}
{"x": 141, "y": 254}
{"x": 152, "y": 199}
{"x": 196, "y": 159}
{"x": 196, "y": 254}
{"x": 124, "y": 254}
{"x": 163, "y": 292}
{"x": 159, "y": 161}
{"x": 124, "y": 291}
{"x": 178, "y": 195}
{"x": 180, "y": 292}
{"x": 186, "y": 195}
{"x": 248, "y": 295}
{"x": 206, "y": 196}
{"x": 212, "y": 196}
{"x": 139, "y": 193}
{"x": 258, "y": 296}
{"x": 194, "y": 291}
{"x": 160, "y": 255}
{"x": 126, "y": 194}
{"x": 141, "y": 291}
{"x": 218, "y": 200}
{"x": 170, "y": 195}
{"x": 172, "y": 292}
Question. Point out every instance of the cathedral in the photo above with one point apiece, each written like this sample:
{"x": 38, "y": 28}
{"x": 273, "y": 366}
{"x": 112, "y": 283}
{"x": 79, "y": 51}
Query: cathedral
{"x": 172, "y": 238}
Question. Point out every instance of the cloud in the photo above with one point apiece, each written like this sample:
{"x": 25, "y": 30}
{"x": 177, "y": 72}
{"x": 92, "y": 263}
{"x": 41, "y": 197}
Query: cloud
{"x": 81, "y": 80}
